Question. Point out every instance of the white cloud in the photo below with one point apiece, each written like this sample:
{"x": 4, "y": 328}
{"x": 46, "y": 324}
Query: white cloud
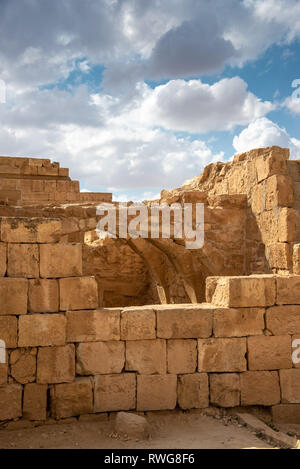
{"x": 262, "y": 133}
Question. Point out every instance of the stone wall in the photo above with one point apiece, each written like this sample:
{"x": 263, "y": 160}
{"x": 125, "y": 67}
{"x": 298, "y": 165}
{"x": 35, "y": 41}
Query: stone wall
{"x": 66, "y": 357}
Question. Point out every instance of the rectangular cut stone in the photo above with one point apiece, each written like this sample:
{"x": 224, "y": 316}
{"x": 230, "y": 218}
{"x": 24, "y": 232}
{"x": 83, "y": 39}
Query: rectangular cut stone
{"x": 30, "y": 230}
{"x": 9, "y": 331}
{"x": 274, "y": 163}
{"x": 156, "y": 392}
{"x": 13, "y": 295}
{"x": 281, "y": 320}
{"x": 193, "y": 391}
{"x": 269, "y": 352}
{"x": 279, "y": 192}
{"x": 43, "y": 296}
{"x": 60, "y": 260}
{"x": 253, "y": 291}
{"x": 23, "y": 365}
{"x": 93, "y": 325}
{"x": 94, "y": 358}
{"x": 10, "y": 401}
{"x": 146, "y": 357}
{"x": 296, "y": 259}
{"x": 279, "y": 256}
{"x": 184, "y": 322}
{"x": 78, "y": 293}
{"x": 222, "y": 355}
{"x": 3, "y": 259}
{"x": 290, "y": 386}
{"x": 288, "y": 290}
{"x": 287, "y": 225}
{"x": 225, "y": 389}
{"x": 42, "y": 330}
{"x": 138, "y": 323}
{"x": 35, "y": 402}
{"x": 286, "y": 413}
{"x": 182, "y": 356}
{"x": 260, "y": 388}
{"x": 115, "y": 392}
{"x": 56, "y": 364}
{"x": 23, "y": 260}
{"x": 71, "y": 399}
{"x": 238, "y": 322}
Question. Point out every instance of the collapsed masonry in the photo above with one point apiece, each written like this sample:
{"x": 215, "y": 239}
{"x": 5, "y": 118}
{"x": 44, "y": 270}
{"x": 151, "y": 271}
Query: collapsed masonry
{"x": 98, "y": 326}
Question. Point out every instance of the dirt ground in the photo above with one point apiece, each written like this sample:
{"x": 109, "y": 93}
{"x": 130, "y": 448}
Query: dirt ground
{"x": 167, "y": 432}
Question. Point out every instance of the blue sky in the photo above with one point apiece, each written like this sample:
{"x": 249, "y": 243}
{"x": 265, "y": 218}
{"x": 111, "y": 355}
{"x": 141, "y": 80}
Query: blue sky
{"x": 139, "y": 95}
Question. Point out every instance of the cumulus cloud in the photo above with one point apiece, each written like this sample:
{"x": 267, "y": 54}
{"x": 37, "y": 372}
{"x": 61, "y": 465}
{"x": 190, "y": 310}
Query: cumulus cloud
{"x": 262, "y": 133}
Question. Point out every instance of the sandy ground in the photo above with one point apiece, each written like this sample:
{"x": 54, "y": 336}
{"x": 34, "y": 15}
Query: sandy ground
{"x": 167, "y": 432}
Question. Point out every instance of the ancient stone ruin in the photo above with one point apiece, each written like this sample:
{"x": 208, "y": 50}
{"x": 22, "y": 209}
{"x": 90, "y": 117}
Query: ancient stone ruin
{"x": 100, "y": 325}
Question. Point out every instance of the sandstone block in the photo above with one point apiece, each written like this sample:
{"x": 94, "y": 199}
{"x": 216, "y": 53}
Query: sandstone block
{"x": 3, "y": 373}
{"x": 56, "y": 364}
{"x": 286, "y": 413}
{"x": 273, "y": 164}
{"x": 100, "y": 358}
{"x": 279, "y": 256}
{"x": 279, "y": 192}
{"x": 281, "y": 320}
{"x": 238, "y": 322}
{"x": 9, "y": 331}
{"x": 23, "y": 260}
{"x": 269, "y": 352}
{"x": 30, "y": 230}
{"x": 43, "y": 296}
{"x": 93, "y": 325}
{"x": 188, "y": 322}
{"x": 132, "y": 425}
{"x": 182, "y": 356}
{"x": 3, "y": 259}
{"x": 260, "y": 388}
{"x": 78, "y": 293}
{"x": 10, "y": 401}
{"x": 23, "y": 365}
{"x": 290, "y": 386}
{"x": 258, "y": 198}
{"x": 35, "y": 402}
{"x": 225, "y": 389}
{"x": 193, "y": 391}
{"x": 156, "y": 392}
{"x": 146, "y": 357}
{"x": 138, "y": 323}
{"x": 254, "y": 291}
{"x": 42, "y": 330}
{"x": 287, "y": 225}
{"x": 115, "y": 392}
{"x": 60, "y": 260}
{"x": 288, "y": 290}
{"x": 296, "y": 259}
{"x": 13, "y": 295}
{"x": 71, "y": 399}
{"x": 222, "y": 355}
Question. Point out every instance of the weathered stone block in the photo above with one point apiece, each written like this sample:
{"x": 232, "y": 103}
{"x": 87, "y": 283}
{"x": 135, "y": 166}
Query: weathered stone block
{"x": 42, "y": 330}
{"x": 273, "y": 164}
{"x": 269, "y": 352}
{"x": 260, "y": 388}
{"x": 78, "y": 293}
{"x": 100, "y": 358}
{"x": 56, "y": 364}
{"x": 35, "y": 402}
{"x": 279, "y": 256}
{"x": 182, "y": 356}
{"x": 131, "y": 425}
{"x": 115, "y": 392}
{"x": 23, "y": 365}
{"x": 93, "y": 325}
{"x": 193, "y": 391}
{"x": 60, "y": 260}
{"x": 188, "y": 322}
{"x": 3, "y": 373}
{"x": 225, "y": 389}
{"x": 71, "y": 399}
{"x": 287, "y": 225}
{"x": 146, "y": 357}
{"x": 222, "y": 355}
{"x": 290, "y": 386}
{"x": 138, "y": 323}
{"x": 281, "y": 320}
{"x": 23, "y": 260}
{"x": 238, "y": 322}
{"x": 279, "y": 192}
{"x": 258, "y": 198}
{"x": 43, "y": 296}
{"x": 156, "y": 392}
{"x": 288, "y": 290}
{"x": 254, "y": 291}
{"x": 10, "y": 401}
{"x": 13, "y": 295}
{"x": 9, "y": 331}
{"x": 30, "y": 230}
{"x": 296, "y": 259}
{"x": 3, "y": 259}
